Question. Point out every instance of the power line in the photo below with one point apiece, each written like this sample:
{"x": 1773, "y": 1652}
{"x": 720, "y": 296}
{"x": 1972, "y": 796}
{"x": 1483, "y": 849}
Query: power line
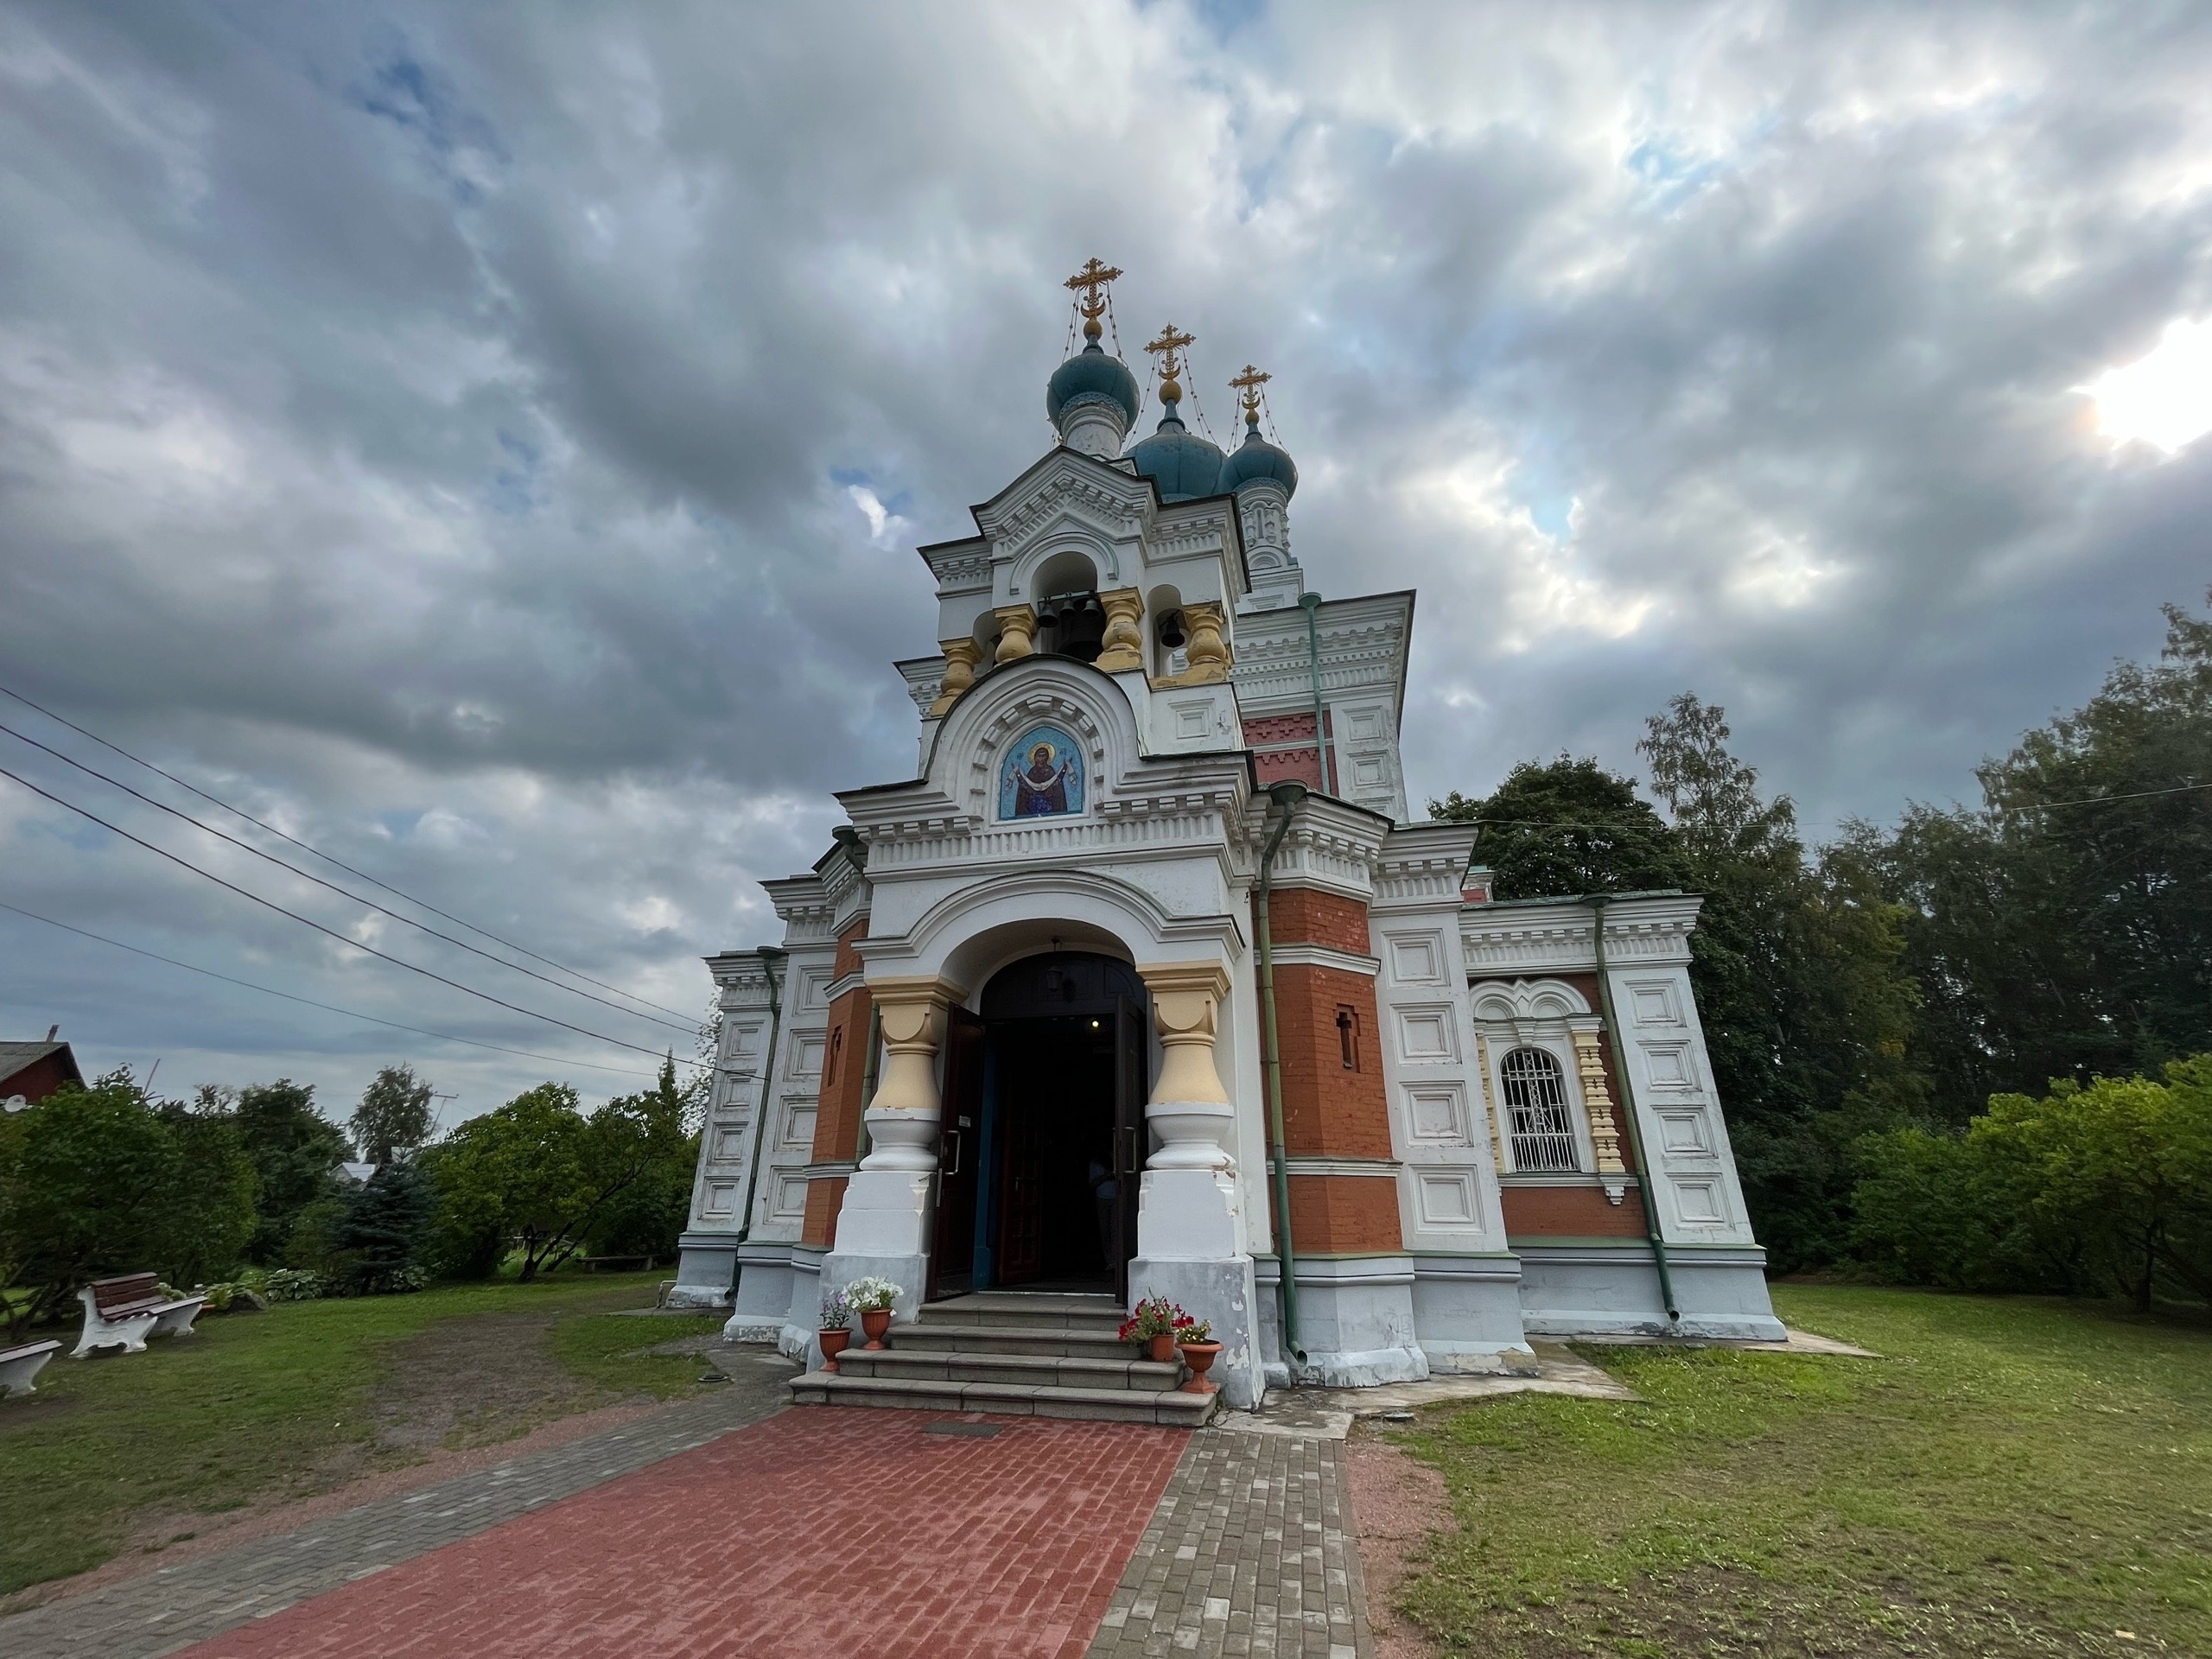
{"x": 308, "y": 1001}
{"x": 467, "y": 990}
{"x": 355, "y": 897}
{"x": 304, "y": 847}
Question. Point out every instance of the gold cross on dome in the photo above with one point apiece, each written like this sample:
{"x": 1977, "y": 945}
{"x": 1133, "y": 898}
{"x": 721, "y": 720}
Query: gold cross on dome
{"x": 1172, "y": 340}
{"x": 1091, "y": 280}
{"x": 1250, "y": 383}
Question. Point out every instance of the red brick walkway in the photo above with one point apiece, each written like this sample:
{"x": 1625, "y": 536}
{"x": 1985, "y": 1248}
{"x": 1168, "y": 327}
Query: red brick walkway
{"x": 817, "y": 1531}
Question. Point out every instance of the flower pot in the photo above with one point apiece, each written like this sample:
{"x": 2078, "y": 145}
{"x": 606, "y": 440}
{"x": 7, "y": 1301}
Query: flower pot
{"x": 1200, "y": 1357}
{"x": 1159, "y": 1349}
{"x": 873, "y": 1323}
{"x": 833, "y": 1343}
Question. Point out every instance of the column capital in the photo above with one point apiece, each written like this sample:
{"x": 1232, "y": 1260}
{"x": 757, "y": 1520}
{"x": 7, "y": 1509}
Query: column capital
{"x": 1167, "y": 978}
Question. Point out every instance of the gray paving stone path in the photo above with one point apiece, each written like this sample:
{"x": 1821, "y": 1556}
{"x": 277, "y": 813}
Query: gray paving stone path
{"x": 1251, "y": 1552}
{"x": 171, "y": 1608}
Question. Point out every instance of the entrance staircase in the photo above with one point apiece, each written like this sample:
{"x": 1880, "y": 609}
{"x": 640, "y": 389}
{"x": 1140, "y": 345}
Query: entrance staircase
{"x": 1021, "y": 1354}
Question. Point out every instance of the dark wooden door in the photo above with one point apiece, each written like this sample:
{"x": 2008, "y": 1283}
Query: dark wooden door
{"x": 1021, "y": 1180}
{"x": 1131, "y": 1084}
{"x": 960, "y": 1141}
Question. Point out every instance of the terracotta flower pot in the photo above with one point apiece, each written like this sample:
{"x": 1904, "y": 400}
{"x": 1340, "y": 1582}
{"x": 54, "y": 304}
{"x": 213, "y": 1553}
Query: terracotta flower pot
{"x": 1200, "y": 1357}
{"x": 1159, "y": 1349}
{"x": 873, "y": 1323}
{"x": 833, "y": 1343}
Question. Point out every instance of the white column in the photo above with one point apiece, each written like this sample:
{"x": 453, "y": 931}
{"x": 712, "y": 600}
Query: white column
{"x": 883, "y": 1227}
{"x": 1188, "y": 1237}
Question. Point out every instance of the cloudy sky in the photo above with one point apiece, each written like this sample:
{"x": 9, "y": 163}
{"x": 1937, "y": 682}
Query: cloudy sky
{"x": 488, "y": 441}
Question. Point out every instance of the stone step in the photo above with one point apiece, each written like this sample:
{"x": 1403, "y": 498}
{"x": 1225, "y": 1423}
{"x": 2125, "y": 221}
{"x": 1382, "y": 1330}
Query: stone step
{"x": 932, "y": 1336}
{"x": 1174, "y": 1410}
{"x": 1024, "y": 1311}
{"x": 1124, "y": 1372}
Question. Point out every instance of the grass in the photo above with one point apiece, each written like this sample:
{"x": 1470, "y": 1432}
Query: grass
{"x": 256, "y": 1406}
{"x": 2013, "y": 1476}
{"x": 604, "y": 1347}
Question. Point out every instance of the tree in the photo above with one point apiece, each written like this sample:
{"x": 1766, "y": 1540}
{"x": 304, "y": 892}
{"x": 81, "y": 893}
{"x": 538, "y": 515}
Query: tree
{"x": 540, "y": 1173}
{"x": 211, "y": 1211}
{"x": 1567, "y": 827}
{"x": 647, "y": 1217}
{"x": 2102, "y": 1187}
{"x": 394, "y": 1114}
{"x": 1795, "y": 962}
{"x": 96, "y": 1181}
{"x": 2064, "y": 929}
{"x": 382, "y": 1235}
{"x": 294, "y": 1149}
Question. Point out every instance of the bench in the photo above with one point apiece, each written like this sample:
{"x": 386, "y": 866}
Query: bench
{"x": 128, "y": 1309}
{"x": 20, "y": 1364}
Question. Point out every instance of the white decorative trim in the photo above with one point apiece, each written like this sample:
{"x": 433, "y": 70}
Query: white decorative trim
{"x": 1384, "y": 1168}
{"x": 1322, "y": 956}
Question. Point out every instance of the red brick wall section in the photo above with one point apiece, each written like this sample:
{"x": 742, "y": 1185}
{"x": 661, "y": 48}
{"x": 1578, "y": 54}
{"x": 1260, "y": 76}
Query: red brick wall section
{"x": 1308, "y": 915}
{"x": 1278, "y": 728}
{"x": 1328, "y": 1111}
{"x": 1565, "y": 1213}
{"x": 847, "y": 959}
{"x": 1344, "y": 1215}
{"x": 1288, "y": 765}
{"x": 825, "y": 1196}
{"x": 844, "y": 1071}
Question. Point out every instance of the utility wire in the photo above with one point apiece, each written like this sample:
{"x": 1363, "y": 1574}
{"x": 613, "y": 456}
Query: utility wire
{"x": 308, "y": 1001}
{"x": 258, "y": 824}
{"x": 467, "y": 990}
{"x": 293, "y": 869}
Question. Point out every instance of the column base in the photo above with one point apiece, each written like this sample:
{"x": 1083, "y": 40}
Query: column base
{"x": 706, "y": 1271}
{"x": 1222, "y": 1292}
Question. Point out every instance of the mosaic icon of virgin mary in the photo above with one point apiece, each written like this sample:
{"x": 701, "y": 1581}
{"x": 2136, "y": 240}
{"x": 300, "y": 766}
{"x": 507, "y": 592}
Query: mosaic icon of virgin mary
{"x": 1043, "y": 777}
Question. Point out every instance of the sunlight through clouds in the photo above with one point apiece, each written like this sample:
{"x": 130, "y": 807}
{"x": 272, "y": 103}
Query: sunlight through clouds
{"x": 2164, "y": 399}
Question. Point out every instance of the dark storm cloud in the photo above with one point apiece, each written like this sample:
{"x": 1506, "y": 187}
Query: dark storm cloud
{"x": 492, "y": 440}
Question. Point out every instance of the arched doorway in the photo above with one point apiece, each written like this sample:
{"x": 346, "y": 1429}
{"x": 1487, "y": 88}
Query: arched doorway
{"x": 1043, "y": 1139}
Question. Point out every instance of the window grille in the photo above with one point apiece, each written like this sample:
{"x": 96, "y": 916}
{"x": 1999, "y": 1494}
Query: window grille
{"x": 1535, "y": 1101}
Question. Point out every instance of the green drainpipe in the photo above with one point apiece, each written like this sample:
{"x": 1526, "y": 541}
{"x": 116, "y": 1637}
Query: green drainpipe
{"x": 1628, "y": 1121}
{"x": 770, "y": 955}
{"x": 1311, "y": 603}
{"x": 1285, "y": 796}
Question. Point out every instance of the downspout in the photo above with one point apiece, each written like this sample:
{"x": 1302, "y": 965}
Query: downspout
{"x": 1311, "y": 604}
{"x": 1285, "y": 796}
{"x": 770, "y": 955}
{"x": 866, "y": 1142}
{"x": 1628, "y": 1115}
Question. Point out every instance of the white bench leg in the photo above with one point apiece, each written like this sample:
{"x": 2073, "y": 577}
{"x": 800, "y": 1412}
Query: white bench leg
{"x": 131, "y": 1333}
{"x": 19, "y": 1375}
{"x": 177, "y": 1322}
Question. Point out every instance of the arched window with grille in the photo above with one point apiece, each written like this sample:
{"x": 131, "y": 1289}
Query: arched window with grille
{"x": 1535, "y": 1102}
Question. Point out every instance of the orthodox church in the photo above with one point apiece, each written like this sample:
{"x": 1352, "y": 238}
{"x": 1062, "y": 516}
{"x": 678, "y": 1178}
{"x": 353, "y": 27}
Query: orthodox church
{"x": 1146, "y": 984}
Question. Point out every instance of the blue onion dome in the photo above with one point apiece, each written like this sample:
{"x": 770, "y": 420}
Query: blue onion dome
{"x": 1256, "y": 458}
{"x": 1091, "y": 375}
{"x": 1182, "y": 463}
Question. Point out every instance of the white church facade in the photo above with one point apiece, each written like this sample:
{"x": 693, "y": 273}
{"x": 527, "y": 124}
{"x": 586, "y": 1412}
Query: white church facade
{"x": 1145, "y": 984}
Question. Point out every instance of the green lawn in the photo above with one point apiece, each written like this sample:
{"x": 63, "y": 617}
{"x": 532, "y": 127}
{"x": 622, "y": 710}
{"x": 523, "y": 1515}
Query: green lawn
{"x": 288, "y": 1402}
{"x": 2014, "y": 1477}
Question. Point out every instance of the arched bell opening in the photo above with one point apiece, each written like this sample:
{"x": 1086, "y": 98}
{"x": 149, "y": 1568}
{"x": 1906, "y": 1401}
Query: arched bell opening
{"x": 1043, "y": 1139}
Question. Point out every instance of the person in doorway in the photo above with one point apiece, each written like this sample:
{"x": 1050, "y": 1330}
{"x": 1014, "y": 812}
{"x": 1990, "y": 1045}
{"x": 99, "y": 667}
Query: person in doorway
{"x": 1104, "y": 1189}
